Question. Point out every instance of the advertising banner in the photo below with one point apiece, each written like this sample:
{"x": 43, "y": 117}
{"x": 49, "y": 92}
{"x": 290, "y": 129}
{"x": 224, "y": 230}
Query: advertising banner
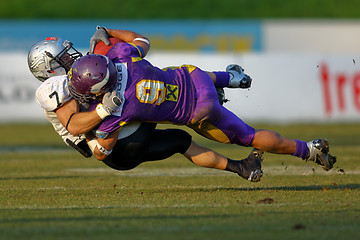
{"x": 301, "y": 70}
{"x": 285, "y": 88}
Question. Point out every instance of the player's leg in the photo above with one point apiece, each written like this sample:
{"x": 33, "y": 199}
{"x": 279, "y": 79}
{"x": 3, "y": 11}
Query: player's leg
{"x": 212, "y": 120}
{"x": 248, "y": 168}
{"x": 161, "y": 144}
{"x": 205, "y": 157}
{"x": 166, "y": 142}
{"x": 217, "y": 123}
{"x": 228, "y": 128}
{"x": 317, "y": 150}
{"x": 273, "y": 142}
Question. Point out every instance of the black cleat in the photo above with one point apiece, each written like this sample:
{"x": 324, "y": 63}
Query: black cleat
{"x": 250, "y": 167}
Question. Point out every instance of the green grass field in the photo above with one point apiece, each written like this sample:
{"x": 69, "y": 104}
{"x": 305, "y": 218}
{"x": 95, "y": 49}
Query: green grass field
{"x": 50, "y": 192}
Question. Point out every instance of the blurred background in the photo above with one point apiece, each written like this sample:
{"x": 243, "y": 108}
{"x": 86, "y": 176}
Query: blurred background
{"x": 303, "y": 56}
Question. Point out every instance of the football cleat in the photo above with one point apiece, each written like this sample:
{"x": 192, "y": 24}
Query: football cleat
{"x": 250, "y": 167}
{"x": 238, "y": 79}
{"x": 319, "y": 153}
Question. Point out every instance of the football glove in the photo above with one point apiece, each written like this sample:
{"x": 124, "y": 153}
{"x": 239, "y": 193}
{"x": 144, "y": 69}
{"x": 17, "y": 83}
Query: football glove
{"x": 100, "y": 35}
{"x": 111, "y": 101}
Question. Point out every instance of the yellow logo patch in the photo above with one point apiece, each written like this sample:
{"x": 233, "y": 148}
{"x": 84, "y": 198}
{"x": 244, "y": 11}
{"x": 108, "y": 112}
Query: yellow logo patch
{"x": 172, "y": 92}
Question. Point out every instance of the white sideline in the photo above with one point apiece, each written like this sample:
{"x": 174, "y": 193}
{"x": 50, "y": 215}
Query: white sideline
{"x": 196, "y": 171}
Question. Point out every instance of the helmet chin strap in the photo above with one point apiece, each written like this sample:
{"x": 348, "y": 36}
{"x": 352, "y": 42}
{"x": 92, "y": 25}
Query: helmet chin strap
{"x": 51, "y": 73}
{"x": 56, "y": 69}
{"x": 60, "y": 71}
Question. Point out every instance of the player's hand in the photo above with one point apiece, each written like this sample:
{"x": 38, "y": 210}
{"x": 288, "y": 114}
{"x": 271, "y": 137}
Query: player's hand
{"x": 100, "y": 35}
{"x": 111, "y": 101}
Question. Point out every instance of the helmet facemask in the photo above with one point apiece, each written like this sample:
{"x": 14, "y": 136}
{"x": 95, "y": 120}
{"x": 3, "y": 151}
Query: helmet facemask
{"x": 65, "y": 58}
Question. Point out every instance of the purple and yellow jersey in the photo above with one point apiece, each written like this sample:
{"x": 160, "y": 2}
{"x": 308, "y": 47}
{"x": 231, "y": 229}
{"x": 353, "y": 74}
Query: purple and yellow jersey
{"x": 185, "y": 95}
{"x": 149, "y": 93}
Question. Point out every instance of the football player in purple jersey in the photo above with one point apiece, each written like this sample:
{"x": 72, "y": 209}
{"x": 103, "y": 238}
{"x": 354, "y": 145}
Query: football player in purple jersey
{"x": 183, "y": 96}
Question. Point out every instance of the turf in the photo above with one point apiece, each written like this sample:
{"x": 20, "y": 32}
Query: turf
{"x": 50, "y": 192}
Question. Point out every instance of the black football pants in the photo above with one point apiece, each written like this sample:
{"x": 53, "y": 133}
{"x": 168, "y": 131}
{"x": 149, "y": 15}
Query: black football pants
{"x": 147, "y": 144}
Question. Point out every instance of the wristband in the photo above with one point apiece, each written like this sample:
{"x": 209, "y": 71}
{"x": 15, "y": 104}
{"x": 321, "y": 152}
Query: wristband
{"x": 142, "y": 40}
{"x": 103, "y": 150}
{"x": 100, "y": 110}
{"x": 92, "y": 144}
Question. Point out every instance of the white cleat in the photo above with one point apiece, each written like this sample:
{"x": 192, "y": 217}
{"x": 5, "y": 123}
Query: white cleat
{"x": 319, "y": 153}
{"x": 238, "y": 79}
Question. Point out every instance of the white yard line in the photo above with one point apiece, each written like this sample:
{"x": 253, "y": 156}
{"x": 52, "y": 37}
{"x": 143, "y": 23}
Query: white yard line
{"x": 147, "y": 206}
{"x": 33, "y": 149}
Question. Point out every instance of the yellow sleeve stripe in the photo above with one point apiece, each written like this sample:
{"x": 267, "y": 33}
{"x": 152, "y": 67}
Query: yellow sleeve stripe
{"x": 122, "y": 123}
{"x": 136, "y": 59}
{"x": 140, "y": 52}
{"x": 190, "y": 68}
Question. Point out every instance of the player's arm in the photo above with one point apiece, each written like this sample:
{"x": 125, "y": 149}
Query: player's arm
{"x": 130, "y": 37}
{"x": 77, "y": 122}
{"x": 102, "y": 147}
{"x": 74, "y": 121}
{"x": 103, "y": 34}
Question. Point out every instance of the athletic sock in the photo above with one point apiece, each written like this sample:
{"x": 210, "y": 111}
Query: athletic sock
{"x": 233, "y": 166}
{"x": 302, "y": 150}
{"x": 222, "y": 79}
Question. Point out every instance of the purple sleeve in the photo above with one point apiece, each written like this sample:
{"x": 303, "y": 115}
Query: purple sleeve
{"x": 122, "y": 49}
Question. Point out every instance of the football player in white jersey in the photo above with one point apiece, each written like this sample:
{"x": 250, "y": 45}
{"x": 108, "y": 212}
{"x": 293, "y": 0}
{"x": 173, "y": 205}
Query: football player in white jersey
{"x": 49, "y": 61}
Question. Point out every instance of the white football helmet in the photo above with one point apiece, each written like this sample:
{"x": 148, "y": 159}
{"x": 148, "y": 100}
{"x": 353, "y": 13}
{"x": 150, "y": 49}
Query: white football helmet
{"x": 51, "y": 57}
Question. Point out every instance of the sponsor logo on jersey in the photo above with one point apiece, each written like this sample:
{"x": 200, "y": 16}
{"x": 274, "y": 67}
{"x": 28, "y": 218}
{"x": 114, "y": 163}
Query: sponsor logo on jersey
{"x": 172, "y": 92}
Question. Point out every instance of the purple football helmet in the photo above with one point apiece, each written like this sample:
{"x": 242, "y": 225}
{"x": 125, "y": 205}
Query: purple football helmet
{"x": 91, "y": 76}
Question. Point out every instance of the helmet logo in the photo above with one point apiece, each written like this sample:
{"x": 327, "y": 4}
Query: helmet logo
{"x": 51, "y": 38}
{"x": 96, "y": 88}
{"x": 70, "y": 73}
